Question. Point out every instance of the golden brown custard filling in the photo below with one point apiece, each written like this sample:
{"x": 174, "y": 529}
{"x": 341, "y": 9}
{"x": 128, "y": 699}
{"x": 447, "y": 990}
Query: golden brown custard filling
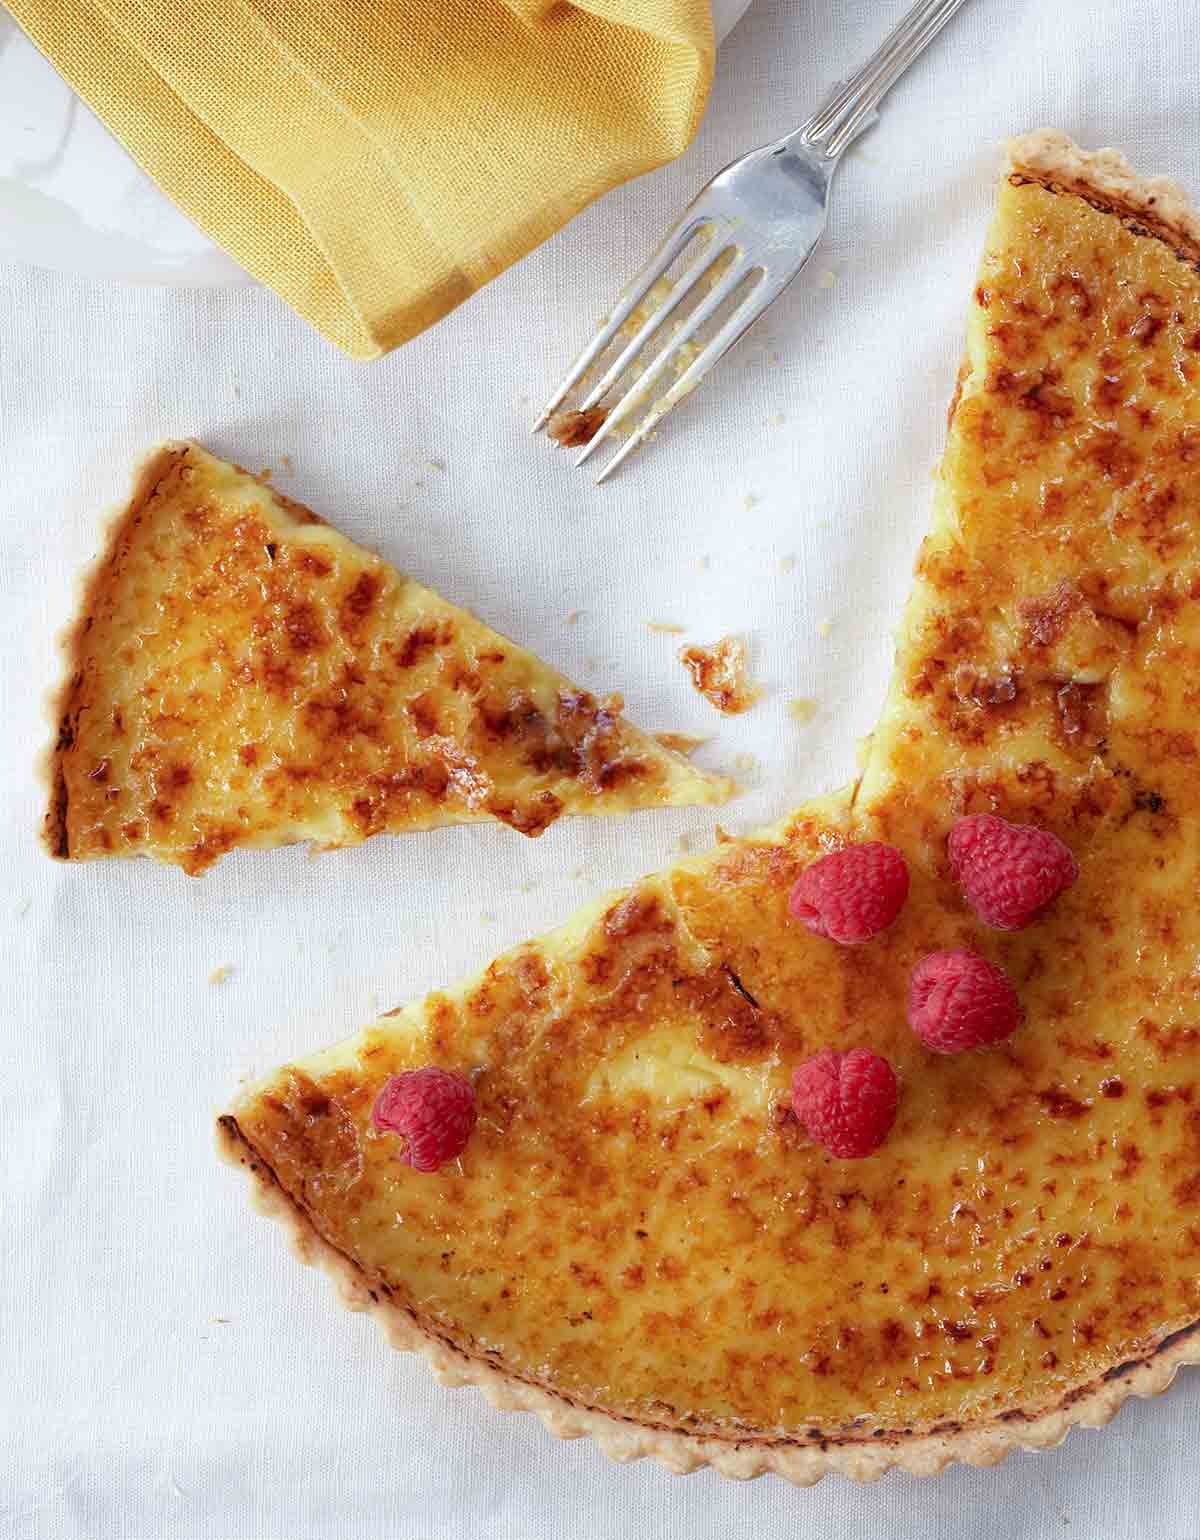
{"x": 637, "y": 1223}
{"x": 244, "y": 675}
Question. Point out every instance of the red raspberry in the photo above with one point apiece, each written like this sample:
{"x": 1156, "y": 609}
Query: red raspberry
{"x": 958, "y": 1000}
{"x": 1008, "y": 871}
{"x": 847, "y": 1101}
{"x": 853, "y": 894}
{"x": 434, "y": 1112}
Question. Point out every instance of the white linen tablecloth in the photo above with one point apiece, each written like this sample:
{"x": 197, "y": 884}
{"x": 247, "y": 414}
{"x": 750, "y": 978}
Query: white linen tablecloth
{"x": 167, "y": 1368}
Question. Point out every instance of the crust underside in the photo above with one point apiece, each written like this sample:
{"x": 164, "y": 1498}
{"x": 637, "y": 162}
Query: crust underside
{"x": 859, "y": 1455}
{"x": 1152, "y": 208}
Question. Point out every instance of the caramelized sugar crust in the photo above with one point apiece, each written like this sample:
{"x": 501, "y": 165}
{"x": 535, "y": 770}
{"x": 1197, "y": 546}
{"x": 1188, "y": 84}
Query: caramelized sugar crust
{"x": 245, "y": 675}
{"x": 638, "y": 1224}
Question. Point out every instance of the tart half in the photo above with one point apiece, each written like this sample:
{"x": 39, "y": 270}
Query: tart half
{"x": 243, "y": 674}
{"x": 636, "y": 1243}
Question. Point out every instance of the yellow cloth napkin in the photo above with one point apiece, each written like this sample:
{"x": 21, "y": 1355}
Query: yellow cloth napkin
{"x": 377, "y": 161}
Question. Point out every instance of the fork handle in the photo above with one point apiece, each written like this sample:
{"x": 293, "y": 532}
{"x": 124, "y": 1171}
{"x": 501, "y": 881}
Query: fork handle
{"x": 852, "y": 106}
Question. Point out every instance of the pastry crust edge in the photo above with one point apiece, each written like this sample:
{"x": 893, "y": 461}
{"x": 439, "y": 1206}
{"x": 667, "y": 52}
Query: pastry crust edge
{"x": 921, "y": 1452}
{"x": 1149, "y": 206}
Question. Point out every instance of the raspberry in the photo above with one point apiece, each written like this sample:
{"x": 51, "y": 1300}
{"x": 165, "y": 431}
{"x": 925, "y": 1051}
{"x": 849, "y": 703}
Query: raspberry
{"x": 958, "y": 1000}
{"x": 853, "y": 894}
{"x": 434, "y": 1112}
{"x": 847, "y": 1101}
{"x": 1008, "y": 871}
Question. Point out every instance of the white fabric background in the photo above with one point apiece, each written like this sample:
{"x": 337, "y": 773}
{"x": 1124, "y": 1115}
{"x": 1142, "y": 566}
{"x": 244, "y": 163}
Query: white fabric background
{"x": 166, "y": 1368}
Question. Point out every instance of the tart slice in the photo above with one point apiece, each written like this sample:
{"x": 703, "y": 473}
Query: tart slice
{"x": 638, "y": 1240}
{"x": 243, "y": 674}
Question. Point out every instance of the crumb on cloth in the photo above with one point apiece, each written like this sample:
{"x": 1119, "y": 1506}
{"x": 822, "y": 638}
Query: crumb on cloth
{"x": 220, "y": 974}
{"x": 719, "y": 673}
{"x": 679, "y": 743}
{"x": 571, "y": 430}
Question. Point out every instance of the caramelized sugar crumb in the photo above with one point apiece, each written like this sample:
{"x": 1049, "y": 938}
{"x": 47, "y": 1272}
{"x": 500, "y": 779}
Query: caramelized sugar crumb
{"x": 571, "y": 430}
{"x": 719, "y": 673}
{"x": 680, "y": 743}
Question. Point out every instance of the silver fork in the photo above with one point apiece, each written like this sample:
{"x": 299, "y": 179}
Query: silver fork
{"x": 756, "y": 224}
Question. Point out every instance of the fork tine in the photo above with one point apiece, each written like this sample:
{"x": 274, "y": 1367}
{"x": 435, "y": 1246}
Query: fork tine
{"x": 639, "y": 390}
{"x": 682, "y": 288}
{"x": 627, "y": 302}
{"x": 735, "y": 327}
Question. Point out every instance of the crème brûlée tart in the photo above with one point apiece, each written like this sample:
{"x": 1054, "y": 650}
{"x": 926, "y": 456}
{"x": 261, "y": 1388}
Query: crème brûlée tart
{"x": 637, "y": 1242}
{"x": 243, "y": 674}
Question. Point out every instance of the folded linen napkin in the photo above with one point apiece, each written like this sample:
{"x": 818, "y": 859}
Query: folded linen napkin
{"x": 377, "y": 161}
